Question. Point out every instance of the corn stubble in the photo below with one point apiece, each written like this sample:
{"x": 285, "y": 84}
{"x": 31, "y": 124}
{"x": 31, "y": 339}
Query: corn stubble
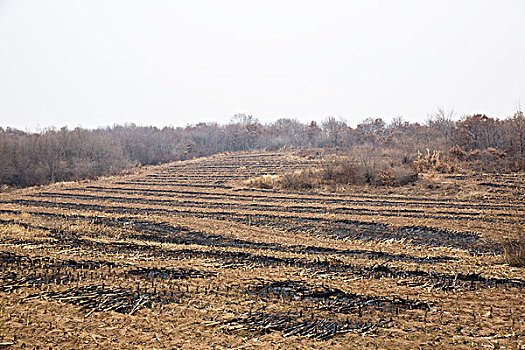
{"x": 222, "y": 252}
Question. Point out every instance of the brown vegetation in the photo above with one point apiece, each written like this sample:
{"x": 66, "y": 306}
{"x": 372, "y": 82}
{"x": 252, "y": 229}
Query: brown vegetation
{"x": 474, "y": 143}
{"x": 514, "y": 251}
{"x": 335, "y": 172}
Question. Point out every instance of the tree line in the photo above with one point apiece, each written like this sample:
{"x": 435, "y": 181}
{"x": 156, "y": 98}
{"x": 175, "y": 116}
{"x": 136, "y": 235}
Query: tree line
{"x": 477, "y": 142}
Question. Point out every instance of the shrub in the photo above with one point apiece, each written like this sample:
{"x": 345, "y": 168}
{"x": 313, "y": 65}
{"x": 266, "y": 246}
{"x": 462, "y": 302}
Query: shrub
{"x": 488, "y": 160}
{"x": 334, "y": 171}
{"x": 514, "y": 251}
{"x": 458, "y": 153}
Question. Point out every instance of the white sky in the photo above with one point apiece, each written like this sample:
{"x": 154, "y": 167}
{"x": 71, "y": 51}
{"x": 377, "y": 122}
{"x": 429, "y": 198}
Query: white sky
{"x": 162, "y": 62}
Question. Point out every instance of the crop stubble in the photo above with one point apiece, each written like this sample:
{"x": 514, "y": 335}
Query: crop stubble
{"x": 184, "y": 255}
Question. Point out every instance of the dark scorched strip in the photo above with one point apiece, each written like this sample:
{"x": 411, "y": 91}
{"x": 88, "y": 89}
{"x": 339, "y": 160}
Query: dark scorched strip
{"x": 334, "y": 299}
{"x": 321, "y": 329}
{"x": 102, "y": 298}
{"x": 170, "y": 273}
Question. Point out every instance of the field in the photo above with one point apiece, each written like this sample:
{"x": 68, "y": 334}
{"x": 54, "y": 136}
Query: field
{"x": 186, "y": 255}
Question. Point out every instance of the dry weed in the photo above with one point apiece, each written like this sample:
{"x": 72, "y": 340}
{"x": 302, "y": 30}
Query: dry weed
{"x": 514, "y": 251}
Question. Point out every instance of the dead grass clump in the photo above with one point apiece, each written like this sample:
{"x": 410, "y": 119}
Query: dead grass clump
{"x": 514, "y": 251}
{"x": 340, "y": 170}
{"x": 264, "y": 181}
{"x": 397, "y": 176}
{"x": 300, "y": 180}
{"x": 296, "y": 180}
{"x": 434, "y": 161}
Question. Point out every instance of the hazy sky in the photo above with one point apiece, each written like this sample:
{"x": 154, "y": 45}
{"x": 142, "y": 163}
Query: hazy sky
{"x": 162, "y": 62}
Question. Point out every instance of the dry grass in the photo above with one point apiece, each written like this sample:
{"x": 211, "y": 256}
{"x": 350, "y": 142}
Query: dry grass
{"x": 514, "y": 251}
{"x": 435, "y": 161}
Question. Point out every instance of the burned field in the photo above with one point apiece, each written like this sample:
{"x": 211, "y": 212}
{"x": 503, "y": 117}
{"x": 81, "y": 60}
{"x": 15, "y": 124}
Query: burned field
{"x": 185, "y": 255}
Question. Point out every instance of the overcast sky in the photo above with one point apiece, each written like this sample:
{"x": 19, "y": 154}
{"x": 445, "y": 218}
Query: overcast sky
{"x": 100, "y": 62}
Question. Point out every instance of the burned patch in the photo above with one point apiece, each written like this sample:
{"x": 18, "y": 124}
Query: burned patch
{"x": 171, "y": 273}
{"x": 102, "y": 298}
{"x": 11, "y": 280}
{"x": 334, "y": 299}
{"x": 43, "y": 262}
{"x": 321, "y": 329}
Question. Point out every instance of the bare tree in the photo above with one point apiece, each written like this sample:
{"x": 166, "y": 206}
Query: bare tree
{"x": 334, "y": 129}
